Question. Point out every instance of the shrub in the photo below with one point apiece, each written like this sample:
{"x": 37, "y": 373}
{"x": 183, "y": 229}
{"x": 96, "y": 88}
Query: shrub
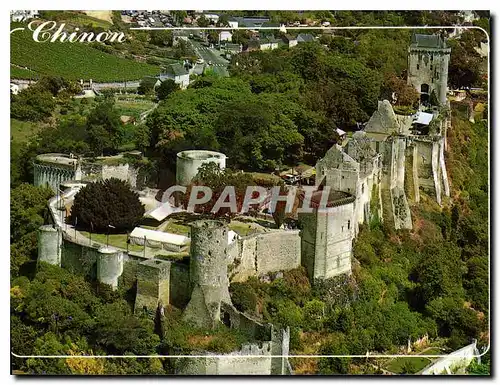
{"x": 107, "y": 203}
{"x": 243, "y": 297}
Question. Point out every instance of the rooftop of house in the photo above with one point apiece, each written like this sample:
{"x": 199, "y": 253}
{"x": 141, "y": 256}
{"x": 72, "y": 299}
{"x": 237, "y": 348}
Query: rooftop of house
{"x": 176, "y": 70}
{"x": 268, "y": 40}
{"x": 427, "y": 41}
{"x": 305, "y": 38}
{"x": 335, "y": 198}
{"x": 289, "y": 37}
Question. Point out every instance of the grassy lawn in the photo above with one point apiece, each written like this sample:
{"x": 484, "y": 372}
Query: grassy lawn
{"x": 176, "y": 228}
{"x": 21, "y": 132}
{"x": 415, "y": 363}
{"x": 134, "y": 108}
{"x": 116, "y": 240}
{"x": 243, "y": 229}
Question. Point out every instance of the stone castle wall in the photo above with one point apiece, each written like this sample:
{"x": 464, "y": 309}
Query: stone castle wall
{"x": 260, "y": 254}
{"x": 258, "y": 358}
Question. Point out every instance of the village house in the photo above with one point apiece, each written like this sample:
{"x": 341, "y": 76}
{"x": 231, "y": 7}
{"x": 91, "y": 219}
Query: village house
{"x": 177, "y": 73}
{"x": 225, "y": 36}
{"x": 290, "y": 41}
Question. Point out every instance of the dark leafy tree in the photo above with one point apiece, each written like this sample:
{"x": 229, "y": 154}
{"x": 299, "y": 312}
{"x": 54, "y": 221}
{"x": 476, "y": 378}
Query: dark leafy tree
{"x": 103, "y": 128}
{"x": 107, "y": 203}
{"x": 166, "y": 88}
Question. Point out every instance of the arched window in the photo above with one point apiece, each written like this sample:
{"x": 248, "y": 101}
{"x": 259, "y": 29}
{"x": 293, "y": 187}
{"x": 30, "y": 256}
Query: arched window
{"x": 424, "y": 88}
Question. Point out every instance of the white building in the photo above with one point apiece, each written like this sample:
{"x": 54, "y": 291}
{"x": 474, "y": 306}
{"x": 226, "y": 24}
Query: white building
{"x": 268, "y": 44}
{"x": 177, "y": 73}
{"x": 14, "y": 89}
{"x": 225, "y": 36}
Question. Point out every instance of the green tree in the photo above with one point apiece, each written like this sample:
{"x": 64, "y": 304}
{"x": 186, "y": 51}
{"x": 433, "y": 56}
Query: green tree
{"x": 121, "y": 332}
{"x": 107, "y": 203}
{"x": 334, "y": 365}
{"x": 32, "y": 104}
{"x": 103, "y": 128}
{"x": 161, "y": 38}
{"x": 146, "y": 85}
{"x": 142, "y": 137}
{"x": 166, "y": 87}
{"x": 243, "y": 297}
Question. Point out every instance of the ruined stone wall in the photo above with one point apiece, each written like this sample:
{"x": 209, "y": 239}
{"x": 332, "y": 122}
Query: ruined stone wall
{"x": 180, "y": 290}
{"x": 235, "y": 363}
{"x": 96, "y": 171}
{"x": 252, "y": 359}
{"x": 79, "y": 259}
{"x": 442, "y": 166}
{"x": 263, "y": 253}
{"x": 153, "y": 285}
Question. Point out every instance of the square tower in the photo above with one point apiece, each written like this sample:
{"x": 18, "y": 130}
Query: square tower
{"x": 428, "y": 58}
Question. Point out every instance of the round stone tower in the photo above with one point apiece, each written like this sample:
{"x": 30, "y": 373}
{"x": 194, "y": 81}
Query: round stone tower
{"x": 209, "y": 241}
{"x": 208, "y": 272}
{"x": 189, "y": 162}
{"x": 109, "y": 266}
{"x": 49, "y": 244}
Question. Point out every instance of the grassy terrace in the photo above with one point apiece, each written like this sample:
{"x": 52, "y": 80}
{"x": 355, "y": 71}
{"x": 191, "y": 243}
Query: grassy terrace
{"x": 116, "y": 240}
{"x": 176, "y": 228}
{"x": 412, "y": 364}
{"x": 21, "y": 132}
{"x": 72, "y": 61}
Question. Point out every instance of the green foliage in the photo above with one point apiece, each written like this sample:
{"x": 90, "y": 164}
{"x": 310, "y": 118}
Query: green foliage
{"x": 464, "y": 70}
{"x": 482, "y": 368}
{"x": 107, "y": 203}
{"x": 103, "y": 128}
{"x": 243, "y": 297}
{"x": 166, "y": 88}
{"x": 161, "y": 38}
{"x": 146, "y": 85}
{"x": 32, "y": 104}
{"x": 28, "y": 207}
{"x": 335, "y": 365}
{"x": 120, "y": 332}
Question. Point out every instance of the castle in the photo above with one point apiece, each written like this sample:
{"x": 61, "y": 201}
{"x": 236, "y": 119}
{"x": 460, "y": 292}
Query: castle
{"x": 372, "y": 175}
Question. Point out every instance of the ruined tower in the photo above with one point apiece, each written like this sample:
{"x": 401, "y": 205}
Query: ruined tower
{"x": 428, "y": 58}
{"x": 208, "y": 273}
{"x": 327, "y": 235}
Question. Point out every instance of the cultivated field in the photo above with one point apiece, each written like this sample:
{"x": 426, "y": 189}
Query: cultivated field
{"x": 72, "y": 61}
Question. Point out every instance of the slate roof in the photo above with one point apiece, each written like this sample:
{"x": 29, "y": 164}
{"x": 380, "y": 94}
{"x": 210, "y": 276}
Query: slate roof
{"x": 427, "y": 41}
{"x": 176, "y": 69}
{"x": 269, "y": 40}
{"x": 305, "y": 38}
{"x": 288, "y": 38}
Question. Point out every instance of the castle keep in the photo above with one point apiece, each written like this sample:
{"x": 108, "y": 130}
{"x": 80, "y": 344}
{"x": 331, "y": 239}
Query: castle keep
{"x": 371, "y": 175}
{"x": 428, "y": 58}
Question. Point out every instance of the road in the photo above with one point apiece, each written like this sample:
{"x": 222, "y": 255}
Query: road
{"x": 219, "y": 64}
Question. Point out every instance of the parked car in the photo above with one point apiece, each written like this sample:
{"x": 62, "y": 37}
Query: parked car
{"x": 200, "y": 61}
{"x": 290, "y": 179}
